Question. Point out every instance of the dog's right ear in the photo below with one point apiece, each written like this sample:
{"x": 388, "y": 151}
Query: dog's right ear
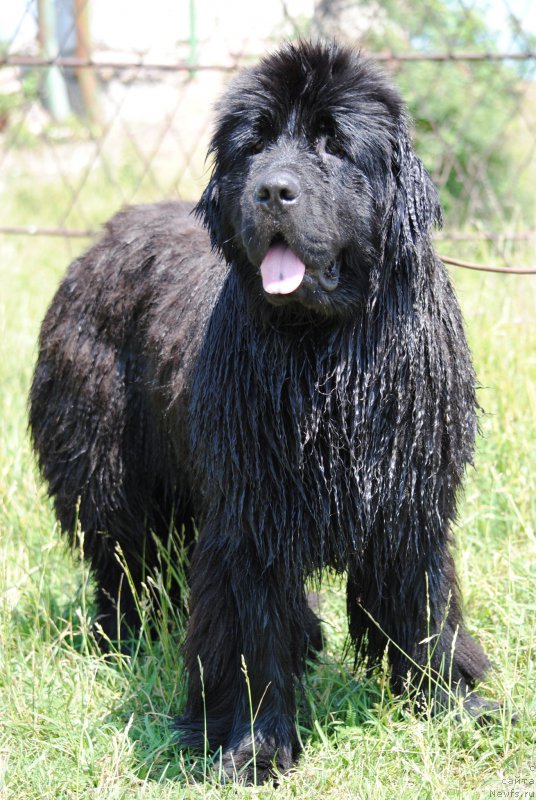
{"x": 208, "y": 211}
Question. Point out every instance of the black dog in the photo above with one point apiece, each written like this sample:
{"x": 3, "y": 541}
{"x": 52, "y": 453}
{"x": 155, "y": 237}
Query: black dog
{"x": 302, "y": 395}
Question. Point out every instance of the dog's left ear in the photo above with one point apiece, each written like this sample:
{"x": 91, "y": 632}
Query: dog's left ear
{"x": 414, "y": 205}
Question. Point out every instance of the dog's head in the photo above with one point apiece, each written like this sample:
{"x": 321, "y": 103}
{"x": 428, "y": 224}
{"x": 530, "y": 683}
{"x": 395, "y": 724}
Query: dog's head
{"x": 314, "y": 180}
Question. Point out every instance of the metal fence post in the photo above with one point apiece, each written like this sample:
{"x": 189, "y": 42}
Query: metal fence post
{"x": 87, "y": 79}
{"x": 54, "y": 89}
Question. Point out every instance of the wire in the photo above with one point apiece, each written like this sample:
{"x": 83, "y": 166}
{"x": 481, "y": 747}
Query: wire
{"x": 487, "y": 267}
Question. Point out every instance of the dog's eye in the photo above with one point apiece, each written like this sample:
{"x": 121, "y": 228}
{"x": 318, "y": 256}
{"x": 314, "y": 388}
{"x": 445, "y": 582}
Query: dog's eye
{"x": 330, "y": 145}
{"x": 333, "y": 147}
{"x": 257, "y": 147}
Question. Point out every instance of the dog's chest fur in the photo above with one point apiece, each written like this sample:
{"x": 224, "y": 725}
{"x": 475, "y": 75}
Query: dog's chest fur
{"x": 278, "y": 435}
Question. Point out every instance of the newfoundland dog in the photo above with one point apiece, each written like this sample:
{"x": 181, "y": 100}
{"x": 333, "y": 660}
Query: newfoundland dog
{"x": 292, "y": 391}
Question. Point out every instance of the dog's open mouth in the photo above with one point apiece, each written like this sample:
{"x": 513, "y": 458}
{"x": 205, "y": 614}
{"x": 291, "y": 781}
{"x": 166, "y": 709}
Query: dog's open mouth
{"x": 283, "y": 272}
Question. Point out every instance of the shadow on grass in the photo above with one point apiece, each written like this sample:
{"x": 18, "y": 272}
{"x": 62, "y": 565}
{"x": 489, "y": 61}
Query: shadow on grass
{"x": 335, "y": 704}
{"x": 151, "y": 683}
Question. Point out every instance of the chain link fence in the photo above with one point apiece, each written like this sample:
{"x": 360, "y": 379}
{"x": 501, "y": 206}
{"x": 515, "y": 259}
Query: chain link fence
{"x": 102, "y": 105}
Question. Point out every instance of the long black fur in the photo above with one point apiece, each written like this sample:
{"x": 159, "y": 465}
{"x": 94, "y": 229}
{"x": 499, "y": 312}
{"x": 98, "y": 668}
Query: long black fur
{"x": 328, "y": 427}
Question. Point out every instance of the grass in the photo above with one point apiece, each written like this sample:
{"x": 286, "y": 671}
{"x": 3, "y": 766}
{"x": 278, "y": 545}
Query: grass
{"x": 77, "y": 724}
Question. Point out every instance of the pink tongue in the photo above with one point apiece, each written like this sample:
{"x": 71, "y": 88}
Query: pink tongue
{"x": 281, "y": 270}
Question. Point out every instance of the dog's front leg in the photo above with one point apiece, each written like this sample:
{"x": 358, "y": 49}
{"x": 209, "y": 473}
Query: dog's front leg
{"x": 245, "y": 645}
{"x": 416, "y": 614}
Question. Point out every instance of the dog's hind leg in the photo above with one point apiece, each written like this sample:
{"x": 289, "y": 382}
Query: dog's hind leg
{"x": 102, "y": 458}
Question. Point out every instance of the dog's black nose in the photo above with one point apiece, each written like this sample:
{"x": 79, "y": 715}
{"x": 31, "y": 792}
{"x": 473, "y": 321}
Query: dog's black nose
{"x": 277, "y": 189}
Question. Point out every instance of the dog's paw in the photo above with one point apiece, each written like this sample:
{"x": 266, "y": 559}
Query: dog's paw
{"x": 488, "y": 712}
{"x": 269, "y": 760}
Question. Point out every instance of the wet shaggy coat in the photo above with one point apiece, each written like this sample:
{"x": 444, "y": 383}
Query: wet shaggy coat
{"x": 327, "y": 427}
